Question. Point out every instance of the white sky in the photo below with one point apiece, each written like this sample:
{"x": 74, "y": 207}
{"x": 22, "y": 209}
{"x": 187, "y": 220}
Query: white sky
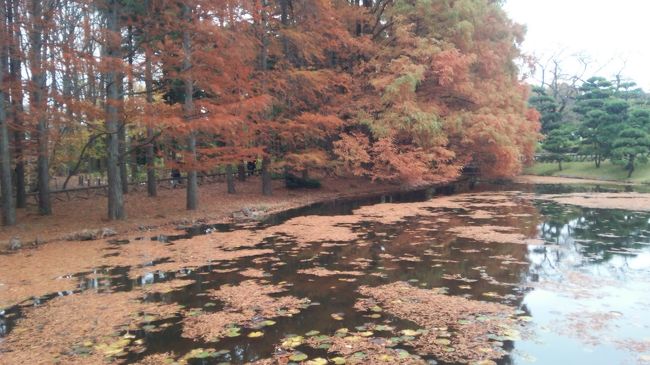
{"x": 614, "y": 34}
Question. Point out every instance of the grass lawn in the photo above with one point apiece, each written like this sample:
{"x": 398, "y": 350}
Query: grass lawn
{"x": 588, "y": 170}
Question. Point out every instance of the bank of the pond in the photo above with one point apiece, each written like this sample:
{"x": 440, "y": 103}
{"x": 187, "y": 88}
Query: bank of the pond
{"x": 167, "y": 210}
{"x": 587, "y": 170}
{"x": 559, "y": 180}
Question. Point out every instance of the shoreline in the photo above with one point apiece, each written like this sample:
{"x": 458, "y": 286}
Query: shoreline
{"x": 282, "y": 201}
{"x": 540, "y": 179}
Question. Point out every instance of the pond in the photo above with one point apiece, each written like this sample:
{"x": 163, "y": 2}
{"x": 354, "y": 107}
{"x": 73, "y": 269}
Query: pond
{"x": 491, "y": 274}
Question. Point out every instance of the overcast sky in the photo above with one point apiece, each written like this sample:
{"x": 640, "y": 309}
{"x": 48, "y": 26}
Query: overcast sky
{"x": 614, "y": 34}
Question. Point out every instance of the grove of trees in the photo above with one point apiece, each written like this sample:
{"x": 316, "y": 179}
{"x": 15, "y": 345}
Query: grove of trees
{"x": 396, "y": 90}
{"x": 601, "y": 120}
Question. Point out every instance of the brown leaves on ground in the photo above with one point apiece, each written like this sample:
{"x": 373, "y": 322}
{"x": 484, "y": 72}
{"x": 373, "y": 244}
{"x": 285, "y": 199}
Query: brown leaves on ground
{"x": 169, "y": 207}
{"x": 456, "y": 329}
{"x": 85, "y": 323}
{"x": 244, "y": 303}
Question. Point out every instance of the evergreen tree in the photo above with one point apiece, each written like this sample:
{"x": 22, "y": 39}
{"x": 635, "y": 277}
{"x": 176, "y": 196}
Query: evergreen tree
{"x": 632, "y": 144}
{"x": 559, "y": 142}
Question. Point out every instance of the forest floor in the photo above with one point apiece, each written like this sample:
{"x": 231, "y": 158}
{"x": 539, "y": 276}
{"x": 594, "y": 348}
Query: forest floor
{"x": 168, "y": 208}
{"x": 587, "y": 170}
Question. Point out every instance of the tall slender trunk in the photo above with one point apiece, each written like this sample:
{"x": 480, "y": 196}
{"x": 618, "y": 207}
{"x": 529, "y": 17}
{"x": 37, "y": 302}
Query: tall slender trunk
{"x": 152, "y": 184}
{"x": 188, "y": 108}
{"x": 115, "y": 197}
{"x": 38, "y": 107}
{"x": 284, "y": 20}
{"x": 124, "y": 142}
{"x": 121, "y": 135}
{"x": 17, "y": 105}
{"x": 241, "y": 172}
{"x": 230, "y": 179}
{"x": 264, "y": 50}
{"x": 91, "y": 93}
{"x": 8, "y": 209}
{"x": 267, "y": 188}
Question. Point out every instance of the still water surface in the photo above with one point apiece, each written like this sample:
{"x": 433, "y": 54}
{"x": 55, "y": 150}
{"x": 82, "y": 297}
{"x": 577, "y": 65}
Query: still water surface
{"x": 583, "y": 283}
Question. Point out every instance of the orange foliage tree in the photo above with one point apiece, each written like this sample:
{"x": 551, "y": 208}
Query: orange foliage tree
{"x": 404, "y": 91}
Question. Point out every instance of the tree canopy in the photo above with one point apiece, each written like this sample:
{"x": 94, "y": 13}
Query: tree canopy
{"x": 404, "y": 91}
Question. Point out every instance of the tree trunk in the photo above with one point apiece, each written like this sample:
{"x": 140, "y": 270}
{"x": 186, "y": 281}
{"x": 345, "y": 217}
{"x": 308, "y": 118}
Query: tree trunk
{"x": 90, "y": 90}
{"x": 230, "y": 179}
{"x": 267, "y": 188}
{"x": 241, "y": 172}
{"x": 284, "y": 20}
{"x": 17, "y": 108}
{"x": 152, "y": 184}
{"x": 122, "y": 156}
{"x": 559, "y": 162}
{"x": 38, "y": 107}
{"x": 264, "y": 50}
{"x": 115, "y": 197}
{"x": 8, "y": 209}
{"x": 188, "y": 108}
{"x": 630, "y": 166}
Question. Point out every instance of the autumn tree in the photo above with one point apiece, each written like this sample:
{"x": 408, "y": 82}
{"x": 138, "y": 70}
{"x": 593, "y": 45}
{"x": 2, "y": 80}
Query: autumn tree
{"x": 112, "y": 64}
{"x": 445, "y": 94}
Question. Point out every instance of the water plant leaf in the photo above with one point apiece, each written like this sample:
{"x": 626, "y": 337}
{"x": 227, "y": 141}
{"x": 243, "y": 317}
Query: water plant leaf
{"x": 409, "y": 332}
{"x": 383, "y": 327}
{"x": 317, "y": 361}
{"x": 233, "y": 332}
{"x": 256, "y": 334}
{"x": 293, "y": 341}
{"x": 338, "y": 360}
{"x": 298, "y": 356}
{"x": 337, "y": 316}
